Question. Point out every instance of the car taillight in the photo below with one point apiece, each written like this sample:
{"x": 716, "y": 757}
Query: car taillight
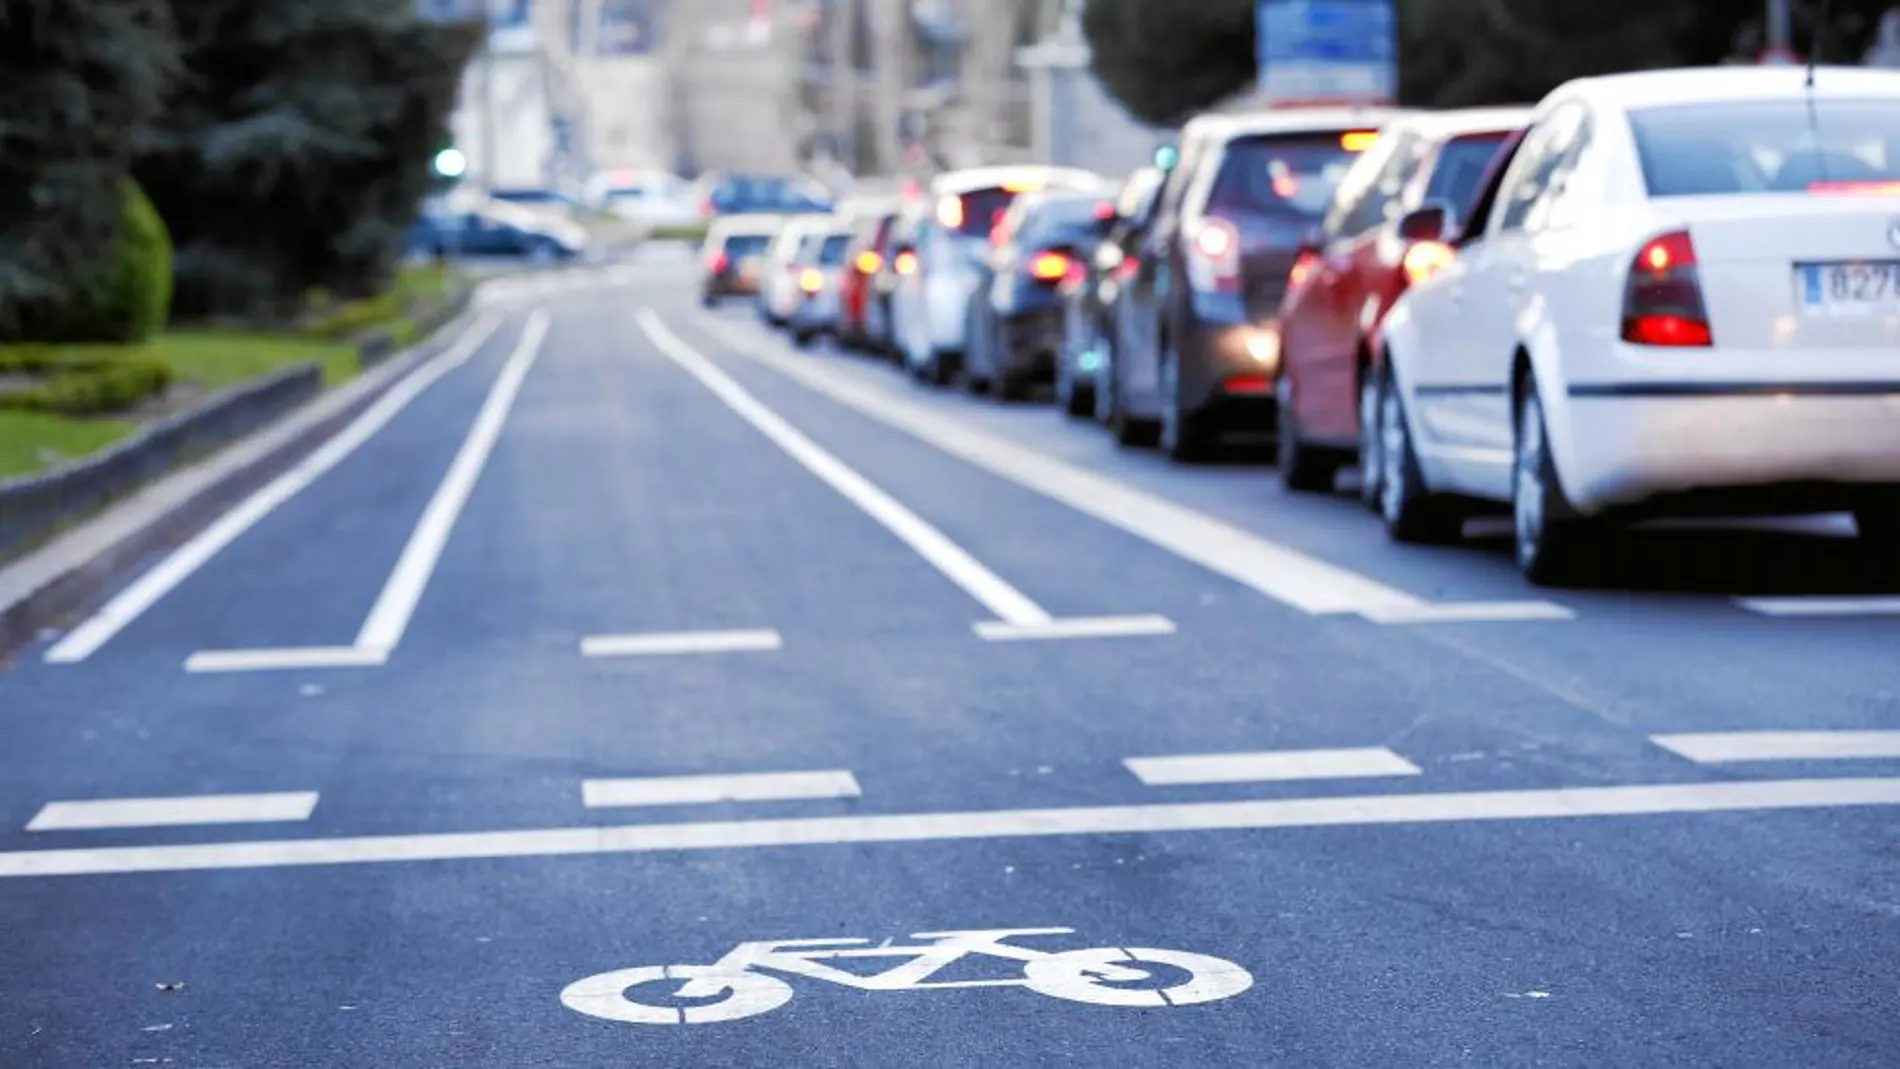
{"x": 1301, "y": 270}
{"x": 906, "y": 263}
{"x": 1214, "y": 256}
{"x": 1662, "y": 302}
{"x": 950, "y": 212}
{"x": 1128, "y": 268}
{"x": 1425, "y": 259}
{"x": 811, "y": 281}
{"x": 718, "y": 263}
{"x": 869, "y": 263}
{"x": 1048, "y": 267}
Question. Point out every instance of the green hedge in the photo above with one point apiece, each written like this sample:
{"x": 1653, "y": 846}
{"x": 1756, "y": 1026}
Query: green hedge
{"x": 82, "y": 389}
{"x": 127, "y": 298}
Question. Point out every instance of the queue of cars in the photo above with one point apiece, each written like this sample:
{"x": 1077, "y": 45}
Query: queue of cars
{"x": 1652, "y": 294}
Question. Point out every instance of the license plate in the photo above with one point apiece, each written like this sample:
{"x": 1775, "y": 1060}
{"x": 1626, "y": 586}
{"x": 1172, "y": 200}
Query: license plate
{"x": 1848, "y": 288}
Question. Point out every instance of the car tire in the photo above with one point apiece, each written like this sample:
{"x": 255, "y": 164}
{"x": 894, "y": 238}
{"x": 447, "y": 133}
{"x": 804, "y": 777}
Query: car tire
{"x": 1371, "y": 451}
{"x": 804, "y": 338}
{"x": 1551, "y": 542}
{"x": 1304, "y": 469}
{"x": 1184, "y": 436}
{"x": 1412, "y": 512}
{"x": 1077, "y": 400}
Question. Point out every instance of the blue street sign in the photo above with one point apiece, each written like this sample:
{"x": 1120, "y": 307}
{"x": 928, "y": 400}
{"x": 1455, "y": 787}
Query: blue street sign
{"x": 1327, "y": 50}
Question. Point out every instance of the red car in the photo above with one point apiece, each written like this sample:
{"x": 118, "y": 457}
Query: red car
{"x": 1353, "y": 270}
{"x": 871, "y": 225}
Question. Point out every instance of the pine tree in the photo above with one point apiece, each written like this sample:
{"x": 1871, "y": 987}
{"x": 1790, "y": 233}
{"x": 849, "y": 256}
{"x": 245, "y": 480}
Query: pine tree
{"x": 297, "y": 150}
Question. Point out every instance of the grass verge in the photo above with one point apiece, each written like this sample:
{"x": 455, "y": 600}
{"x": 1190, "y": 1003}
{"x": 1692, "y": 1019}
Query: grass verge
{"x": 34, "y": 441}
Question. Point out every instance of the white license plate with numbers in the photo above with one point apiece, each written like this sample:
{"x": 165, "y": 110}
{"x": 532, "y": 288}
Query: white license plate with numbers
{"x": 1848, "y": 288}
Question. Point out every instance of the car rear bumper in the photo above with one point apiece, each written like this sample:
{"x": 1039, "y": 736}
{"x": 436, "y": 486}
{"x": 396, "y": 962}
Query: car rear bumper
{"x": 1634, "y": 450}
{"x": 1231, "y": 366}
{"x": 1030, "y": 342}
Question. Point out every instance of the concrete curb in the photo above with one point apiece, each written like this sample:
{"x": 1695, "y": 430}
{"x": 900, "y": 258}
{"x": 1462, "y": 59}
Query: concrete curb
{"x": 68, "y": 573}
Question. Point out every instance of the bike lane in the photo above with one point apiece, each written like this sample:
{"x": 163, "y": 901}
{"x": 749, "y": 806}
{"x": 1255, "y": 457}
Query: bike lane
{"x": 1611, "y": 941}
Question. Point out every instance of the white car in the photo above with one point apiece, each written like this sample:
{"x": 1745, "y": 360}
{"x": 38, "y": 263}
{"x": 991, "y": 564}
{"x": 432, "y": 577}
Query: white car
{"x": 1680, "y": 296}
{"x": 779, "y": 268}
{"x": 820, "y": 275}
{"x": 647, "y": 198}
{"x": 930, "y": 305}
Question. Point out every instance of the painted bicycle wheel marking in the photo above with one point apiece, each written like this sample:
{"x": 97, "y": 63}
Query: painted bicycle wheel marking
{"x": 752, "y": 978}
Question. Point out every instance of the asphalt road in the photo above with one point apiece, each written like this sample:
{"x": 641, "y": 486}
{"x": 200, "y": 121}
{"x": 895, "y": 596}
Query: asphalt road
{"x": 399, "y": 753}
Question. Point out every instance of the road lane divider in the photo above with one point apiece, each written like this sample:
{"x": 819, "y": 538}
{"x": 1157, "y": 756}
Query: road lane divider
{"x": 129, "y": 604}
{"x": 711, "y": 789}
{"x": 1269, "y": 766}
{"x": 1385, "y": 810}
{"x": 395, "y": 606}
{"x": 1872, "y": 605}
{"x": 1732, "y": 747}
{"x": 1283, "y": 574}
{"x": 1017, "y": 617}
{"x": 662, "y": 644}
{"x": 179, "y": 811}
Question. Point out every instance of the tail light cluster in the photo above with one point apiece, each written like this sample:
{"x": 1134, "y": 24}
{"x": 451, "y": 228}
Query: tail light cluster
{"x": 1423, "y": 259}
{"x": 717, "y": 263}
{"x": 869, "y": 262}
{"x": 1213, "y": 258}
{"x": 811, "y": 281}
{"x": 1662, "y": 301}
{"x": 905, "y": 263}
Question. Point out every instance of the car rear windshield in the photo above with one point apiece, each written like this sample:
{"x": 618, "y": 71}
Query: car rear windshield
{"x": 982, "y": 210}
{"x": 1285, "y": 174}
{"x": 1781, "y": 146}
{"x": 1066, "y": 221}
{"x": 1461, "y": 166}
{"x": 742, "y": 245}
{"x": 831, "y": 254}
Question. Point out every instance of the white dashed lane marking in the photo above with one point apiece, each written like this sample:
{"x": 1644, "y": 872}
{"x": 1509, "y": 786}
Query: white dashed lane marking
{"x": 706, "y": 790}
{"x": 1725, "y": 747}
{"x": 175, "y": 811}
{"x": 1269, "y": 766}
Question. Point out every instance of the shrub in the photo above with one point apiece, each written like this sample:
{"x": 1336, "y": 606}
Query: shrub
{"x": 91, "y": 389}
{"x": 126, "y": 297}
{"x": 82, "y": 78}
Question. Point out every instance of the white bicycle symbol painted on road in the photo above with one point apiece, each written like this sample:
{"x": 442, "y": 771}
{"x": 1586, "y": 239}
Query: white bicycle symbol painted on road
{"x": 738, "y": 984}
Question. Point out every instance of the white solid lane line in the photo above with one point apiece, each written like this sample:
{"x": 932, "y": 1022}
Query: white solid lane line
{"x": 1006, "y": 602}
{"x": 132, "y": 602}
{"x": 664, "y": 644}
{"x": 1076, "y": 627}
{"x": 1286, "y": 575}
{"x": 215, "y": 661}
{"x": 389, "y": 618}
{"x": 1360, "y": 811}
{"x": 1269, "y": 766}
{"x": 1823, "y": 606}
{"x": 1722, "y": 747}
{"x": 175, "y": 812}
{"x": 705, "y": 790}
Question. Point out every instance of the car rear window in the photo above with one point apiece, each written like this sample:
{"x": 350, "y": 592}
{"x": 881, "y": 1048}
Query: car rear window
{"x": 1066, "y": 220}
{"x": 1781, "y": 146}
{"x": 1285, "y": 174}
{"x": 740, "y": 245}
{"x": 982, "y": 209}
{"x": 831, "y": 254}
{"x": 1461, "y": 166}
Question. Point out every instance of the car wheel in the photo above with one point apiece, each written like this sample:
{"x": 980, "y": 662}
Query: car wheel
{"x": 1412, "y": 513}
{"x": 1371, "y": 441}
{"x": 1552, "y": 542}
{"x": 1076, "y": 399}
{"x": 1184, "y": 435}
{"x": 1303, "y": 469}
{"x": 804, "y": 338}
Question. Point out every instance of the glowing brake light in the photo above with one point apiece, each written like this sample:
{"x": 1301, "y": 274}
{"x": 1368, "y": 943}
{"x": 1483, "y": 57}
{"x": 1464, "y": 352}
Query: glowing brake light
{"x": 906, "y": 263}
{"x": 1049, "y": 267}
{"x": 1104, "y": 212}
{"x": 950, "y": 212}
{"x": 1425, "y": 259}
{"x": 717, "y": 263}
{"x": 1662, "y": 301}
{"x": 869, "y": 263}
{"x": 1214, "y": 257}
{"x": 1301, "y": 270}
{"x": 1022, "y": 185}
{"x": 1358, "y": 140}
{"x": 811, "y": 281}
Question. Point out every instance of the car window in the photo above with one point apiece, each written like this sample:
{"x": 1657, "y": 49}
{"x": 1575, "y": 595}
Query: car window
{"x": 1548, "y": 210}
{"x": 1283, "y": 174}
{"x": 831, "y": 252}
{"x": 1459, "y": 167}
{"x": 1063, "y": 222}
{"x": 1776, "y": 146}
{"x": 1380, "y": 201}
{"x": 1544, "y": 151}
{"x": 741, "y": 246}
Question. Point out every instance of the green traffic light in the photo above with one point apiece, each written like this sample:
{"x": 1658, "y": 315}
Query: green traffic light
{"x": 1167, "y": 156}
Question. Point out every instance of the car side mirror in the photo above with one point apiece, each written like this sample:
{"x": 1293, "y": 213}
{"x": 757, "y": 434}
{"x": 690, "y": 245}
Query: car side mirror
{"x": 1430, "y": 222}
